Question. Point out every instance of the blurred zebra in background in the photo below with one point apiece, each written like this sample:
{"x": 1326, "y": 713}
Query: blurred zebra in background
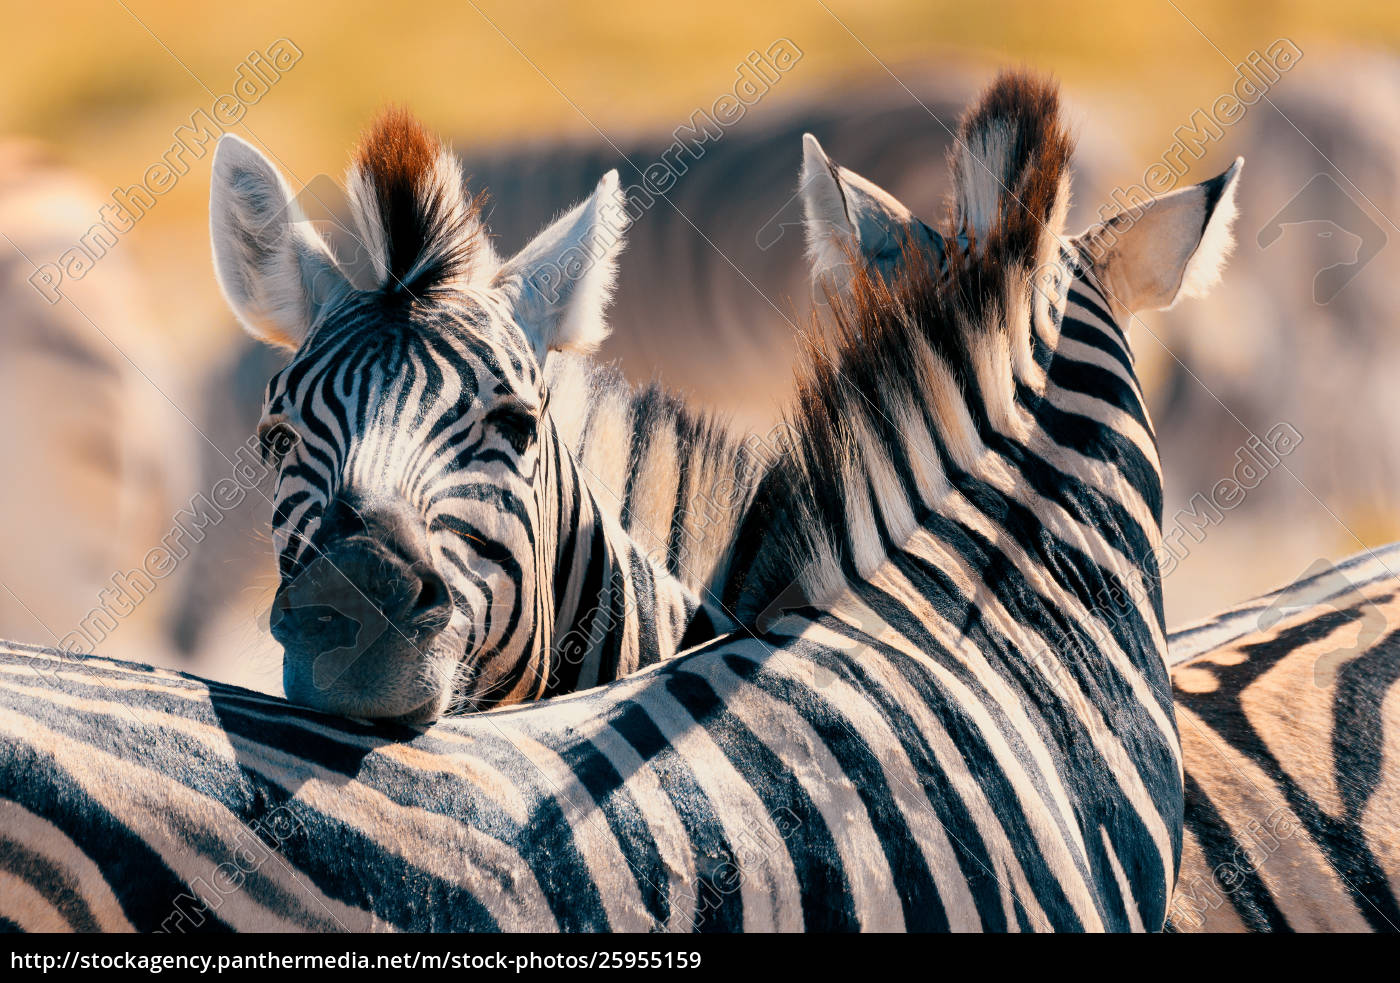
{"x": 111, "y": 451}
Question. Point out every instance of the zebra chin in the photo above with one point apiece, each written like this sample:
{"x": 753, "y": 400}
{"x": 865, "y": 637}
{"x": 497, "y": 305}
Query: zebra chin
{"x": 392, "y": 680}
{"x": 364, "y": 625}
{"x": 389, "y": 681}
{"x": 356, "y": 663}
{"x": 352, "y": 653}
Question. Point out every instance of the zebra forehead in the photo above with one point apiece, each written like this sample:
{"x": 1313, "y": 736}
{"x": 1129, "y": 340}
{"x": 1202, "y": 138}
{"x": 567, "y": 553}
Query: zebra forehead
{"x": 487, "y": 356}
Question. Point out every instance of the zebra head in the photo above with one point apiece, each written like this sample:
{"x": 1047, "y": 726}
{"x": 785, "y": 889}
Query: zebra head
{"x": 416, "y": 463}
{"x": 1025, "y": 330}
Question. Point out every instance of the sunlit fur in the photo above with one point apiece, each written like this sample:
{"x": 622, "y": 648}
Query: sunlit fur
{"x": 99, "y": 775}
{"x": 933, "y": 385}
{"x": 948, "y": 728}
{"x": 1290, "y": 789}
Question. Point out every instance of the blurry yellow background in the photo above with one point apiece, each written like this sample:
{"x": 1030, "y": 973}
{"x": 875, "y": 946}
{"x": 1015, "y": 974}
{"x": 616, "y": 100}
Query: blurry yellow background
{"x": 107, "y": 82}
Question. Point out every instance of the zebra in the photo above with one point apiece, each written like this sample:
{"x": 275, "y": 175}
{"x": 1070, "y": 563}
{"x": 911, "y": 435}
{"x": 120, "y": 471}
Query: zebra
{"x": 1337, "y": 868}
{"x": 59, "y": 888}
{"x": 1289, "y": 709}
{"x": 1279, "y": 758}
{"x": 883, "y": 755}
{"x": 436, "y": 543}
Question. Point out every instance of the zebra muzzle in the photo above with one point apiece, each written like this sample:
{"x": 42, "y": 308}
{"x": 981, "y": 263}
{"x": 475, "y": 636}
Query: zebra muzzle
{"x": 358, "y": 620}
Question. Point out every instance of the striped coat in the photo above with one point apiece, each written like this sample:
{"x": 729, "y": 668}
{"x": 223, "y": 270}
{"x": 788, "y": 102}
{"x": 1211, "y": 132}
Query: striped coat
{"x": 1286, "y": 704}
{"x": 1280, "y": 856}
{"x": 1289, "y": 709}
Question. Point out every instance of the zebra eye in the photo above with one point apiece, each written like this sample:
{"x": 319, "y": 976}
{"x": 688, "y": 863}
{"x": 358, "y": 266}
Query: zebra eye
{"x": 515, "y": 423}
{"x": 276, "y": 438}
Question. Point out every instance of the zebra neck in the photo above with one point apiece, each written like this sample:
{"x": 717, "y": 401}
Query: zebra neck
{"x": 617, "y": 609}
{"x": 677, "y": 477}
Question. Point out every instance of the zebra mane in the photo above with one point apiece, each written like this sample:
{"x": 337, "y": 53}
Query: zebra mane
{"x": 902, "y": 378}
{"x": 678, "y": 477}
{"x": 409, "y": 203}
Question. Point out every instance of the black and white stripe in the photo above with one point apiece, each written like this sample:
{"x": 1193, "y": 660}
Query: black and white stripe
{"x": 1289, "y": 709}
{"x": 1286, "y": 704}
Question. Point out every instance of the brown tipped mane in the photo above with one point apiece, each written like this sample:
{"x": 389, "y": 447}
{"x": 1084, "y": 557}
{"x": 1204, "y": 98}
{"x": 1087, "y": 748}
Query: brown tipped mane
{"x": 430, "y": 228}
{"x": 1024, "y": 111}
{"x": 397, "y": 152}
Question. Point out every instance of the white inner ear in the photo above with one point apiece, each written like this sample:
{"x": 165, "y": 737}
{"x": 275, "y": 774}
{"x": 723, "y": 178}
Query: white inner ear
{"x": 1206, "y": 265}
{"x": 1172, "y": 247}
{"x": 275, "y": 271}
{"x": 560, "y": 284}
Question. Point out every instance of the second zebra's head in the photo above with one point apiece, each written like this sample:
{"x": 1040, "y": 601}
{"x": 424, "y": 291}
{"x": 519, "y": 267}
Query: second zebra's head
{"x": 409, "y": 430}
{"x": 1145, "y": 256}
{"x": 1042, "y": 359}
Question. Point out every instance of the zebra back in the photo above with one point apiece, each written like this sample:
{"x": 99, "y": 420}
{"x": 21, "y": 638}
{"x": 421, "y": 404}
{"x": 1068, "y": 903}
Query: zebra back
{"x": 1289, "y": 710}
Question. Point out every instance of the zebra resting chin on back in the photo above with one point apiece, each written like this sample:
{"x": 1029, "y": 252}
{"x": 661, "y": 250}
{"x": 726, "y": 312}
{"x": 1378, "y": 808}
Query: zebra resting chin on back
{"x": 889, "y": 754}
{"x": 1251, "y": 861}
{"x": 439, "y": 547}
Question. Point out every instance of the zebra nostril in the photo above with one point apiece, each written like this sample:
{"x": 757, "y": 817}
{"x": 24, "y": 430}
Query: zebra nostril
{"x": 433, "y": 600}
{"x": 342, "y": 519}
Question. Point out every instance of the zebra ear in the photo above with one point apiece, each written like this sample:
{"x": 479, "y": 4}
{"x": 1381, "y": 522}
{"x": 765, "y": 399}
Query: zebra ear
{"x": 560, "y": 284}
{"x": 847, "y": 217}
{"x": 1150, "y": 256}
{"x": 274, "y": 269}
